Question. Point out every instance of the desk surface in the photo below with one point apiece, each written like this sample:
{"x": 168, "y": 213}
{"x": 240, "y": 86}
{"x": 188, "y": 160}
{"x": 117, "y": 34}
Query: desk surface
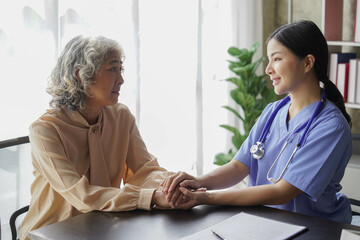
{"x": 174, "y": 224}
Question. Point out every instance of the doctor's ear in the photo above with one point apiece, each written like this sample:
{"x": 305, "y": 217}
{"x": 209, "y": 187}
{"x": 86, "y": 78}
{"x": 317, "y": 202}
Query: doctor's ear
{"x": 309, "y": 61}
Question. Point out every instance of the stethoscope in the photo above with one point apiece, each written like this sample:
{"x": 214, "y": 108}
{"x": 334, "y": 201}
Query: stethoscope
{"x": 258, "y": 149}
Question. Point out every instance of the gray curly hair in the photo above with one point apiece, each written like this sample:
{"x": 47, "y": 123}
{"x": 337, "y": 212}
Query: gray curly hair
{"x": 82, "y": 54}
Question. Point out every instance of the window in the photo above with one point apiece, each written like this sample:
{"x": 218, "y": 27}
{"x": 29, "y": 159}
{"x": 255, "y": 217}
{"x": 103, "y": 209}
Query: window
{"x": 175, "y": 57}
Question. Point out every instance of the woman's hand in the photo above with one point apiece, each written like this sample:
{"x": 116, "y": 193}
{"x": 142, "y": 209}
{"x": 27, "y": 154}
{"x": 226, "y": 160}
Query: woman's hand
{"x": 172, "y": 183}
{"x": 159, "y": 201}
{"x": 197, "y": 197}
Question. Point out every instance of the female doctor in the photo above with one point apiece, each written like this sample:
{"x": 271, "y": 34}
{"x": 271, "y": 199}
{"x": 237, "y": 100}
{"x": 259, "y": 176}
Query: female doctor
{"x": 297, "y": 151}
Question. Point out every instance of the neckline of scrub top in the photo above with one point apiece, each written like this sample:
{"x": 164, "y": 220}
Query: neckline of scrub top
{"x": 301, "y": 117}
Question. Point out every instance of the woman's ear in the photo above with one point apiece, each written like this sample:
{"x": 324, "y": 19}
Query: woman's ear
{"x": 309, "y": 62}
{"x": 77, "y": 75}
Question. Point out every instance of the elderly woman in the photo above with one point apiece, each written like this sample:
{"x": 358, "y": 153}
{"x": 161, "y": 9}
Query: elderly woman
{"x": 88, "y": 143}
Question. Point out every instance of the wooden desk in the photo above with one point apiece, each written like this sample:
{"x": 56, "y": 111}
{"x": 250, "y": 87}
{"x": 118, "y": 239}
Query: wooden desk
{"x": 174, "y": 224}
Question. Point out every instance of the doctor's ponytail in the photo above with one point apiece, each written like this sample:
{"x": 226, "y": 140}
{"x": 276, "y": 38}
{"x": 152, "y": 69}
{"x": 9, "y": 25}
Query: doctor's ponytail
{"x": 334, "y": 95}
{"x": 304, "y": 38}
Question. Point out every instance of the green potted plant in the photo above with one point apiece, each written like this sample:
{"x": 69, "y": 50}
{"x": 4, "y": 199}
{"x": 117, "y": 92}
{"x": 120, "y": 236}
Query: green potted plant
{"x": 251, "y": 94}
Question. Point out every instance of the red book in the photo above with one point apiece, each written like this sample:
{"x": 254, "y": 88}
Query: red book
{"x": 333, "y": 20}
{"x": 343, "y": 79}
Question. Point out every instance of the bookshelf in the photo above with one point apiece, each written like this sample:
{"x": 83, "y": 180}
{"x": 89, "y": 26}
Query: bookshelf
{"x": 343, "y": 43}
{"x": 352, "y": 105}
{"x": 352, "y": 171}
{"x": 340, "y": 44}
{"x": 334, "y": 46}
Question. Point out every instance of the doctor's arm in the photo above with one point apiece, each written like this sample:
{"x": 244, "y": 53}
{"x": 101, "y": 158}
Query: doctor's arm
{"x": 271, "y": 194}
{"x": 222, "y": 177}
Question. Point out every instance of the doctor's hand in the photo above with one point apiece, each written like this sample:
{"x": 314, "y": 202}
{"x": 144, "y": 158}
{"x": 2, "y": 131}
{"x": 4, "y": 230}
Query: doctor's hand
{"x": 194, "y": 198}
{"x": 172, "y": 183}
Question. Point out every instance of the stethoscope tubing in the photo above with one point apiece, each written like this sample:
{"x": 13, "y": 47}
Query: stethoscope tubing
{"x": 307, "y": 125}
{"x": 318, "y": 109}
{"x": 271, "y": 119}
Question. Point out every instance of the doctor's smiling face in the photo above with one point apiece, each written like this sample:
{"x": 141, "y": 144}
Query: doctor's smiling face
{"x": 286, "y": 70}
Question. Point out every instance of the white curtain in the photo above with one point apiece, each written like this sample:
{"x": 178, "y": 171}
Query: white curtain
{"x": 176, "y": 52}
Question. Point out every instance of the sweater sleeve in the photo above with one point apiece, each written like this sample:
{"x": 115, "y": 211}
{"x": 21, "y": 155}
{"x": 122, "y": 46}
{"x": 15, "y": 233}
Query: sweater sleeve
{"x": 143, "y": 168}
{"x": 51, "y": 161}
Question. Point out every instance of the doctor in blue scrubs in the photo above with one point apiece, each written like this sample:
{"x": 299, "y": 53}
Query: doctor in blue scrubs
{"x": 296, "y": 153}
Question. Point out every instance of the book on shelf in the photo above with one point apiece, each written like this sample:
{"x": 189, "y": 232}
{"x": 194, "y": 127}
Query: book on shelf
{"x": 335, "y": 59}
{"x": 333, "y": 20}
{"x": 357, "y": 91}
{"x": 343, "y": 79}
{"x": 353, "y": 81}
{"x": 248, "y": 226}
{"x": 357, "y": 22}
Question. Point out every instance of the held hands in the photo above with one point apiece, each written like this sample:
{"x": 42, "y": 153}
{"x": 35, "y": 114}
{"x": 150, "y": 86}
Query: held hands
{"x": 183, "y": 191}
{"x": 159, "y": 201}
{"x": 194, "y": 198}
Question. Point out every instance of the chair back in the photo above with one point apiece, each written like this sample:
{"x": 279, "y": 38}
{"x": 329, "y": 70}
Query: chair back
{"x": 13, "y": 218}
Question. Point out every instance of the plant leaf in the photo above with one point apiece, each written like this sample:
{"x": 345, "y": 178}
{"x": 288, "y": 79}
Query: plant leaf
{"x": 254, "y": 47}
{"x": 222, "y": 158}
{"x": 234, "y": 80}
{"x": 234, "y": 111}
{"x": 256, "y": 64}
{"x": 234, "y": 130}
{"x": 234, "y": 51}
{"x": 249, "y": 102}
{"x": 237, "y": 96}
{"x": 237, "y": 140}
{"x": 251, "y": 94}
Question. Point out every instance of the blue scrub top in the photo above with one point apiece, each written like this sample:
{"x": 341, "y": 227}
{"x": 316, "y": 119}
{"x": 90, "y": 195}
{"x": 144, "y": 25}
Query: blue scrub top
{"x": 316, "y": 168}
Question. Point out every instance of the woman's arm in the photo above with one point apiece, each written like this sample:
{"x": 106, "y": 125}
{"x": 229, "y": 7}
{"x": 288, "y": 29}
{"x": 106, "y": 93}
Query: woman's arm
{"x": 52, "y": 163}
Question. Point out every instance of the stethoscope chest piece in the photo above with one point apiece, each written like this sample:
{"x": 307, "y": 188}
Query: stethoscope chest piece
{"x": 257, "y": 150}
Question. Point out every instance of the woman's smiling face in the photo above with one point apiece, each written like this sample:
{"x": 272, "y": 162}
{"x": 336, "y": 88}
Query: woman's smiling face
{"x": 285, "y": 69}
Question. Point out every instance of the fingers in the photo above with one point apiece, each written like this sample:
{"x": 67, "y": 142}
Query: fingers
{"x": 174, "y": 196}
{"x": 192, "y": 184}
{"x": 160, "y": 202}
{"x": 181, "y": 199}
{"x": 202, "y": 189}
{"x": 198, "y": 196}
{"x": 191, "y": 200}
{"x": 186, "y": 199}
{"x": 181, "y": 176}
{"x": 168, "y": 181}
{"x": 171, "y": 184}
{"x": 170, "y": 187}
{"x": 163, "y": 208}
{"x": 185, "y": 191}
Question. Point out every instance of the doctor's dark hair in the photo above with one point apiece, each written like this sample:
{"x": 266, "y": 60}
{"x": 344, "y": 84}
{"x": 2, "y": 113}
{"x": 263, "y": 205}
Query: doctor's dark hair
{"x": 82, "y": 57}
{"x": 304, "y": 38}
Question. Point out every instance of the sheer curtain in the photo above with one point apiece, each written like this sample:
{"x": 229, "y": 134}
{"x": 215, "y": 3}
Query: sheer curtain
{"x": 175, "y": 59}
{"x": 183, "y": 53}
